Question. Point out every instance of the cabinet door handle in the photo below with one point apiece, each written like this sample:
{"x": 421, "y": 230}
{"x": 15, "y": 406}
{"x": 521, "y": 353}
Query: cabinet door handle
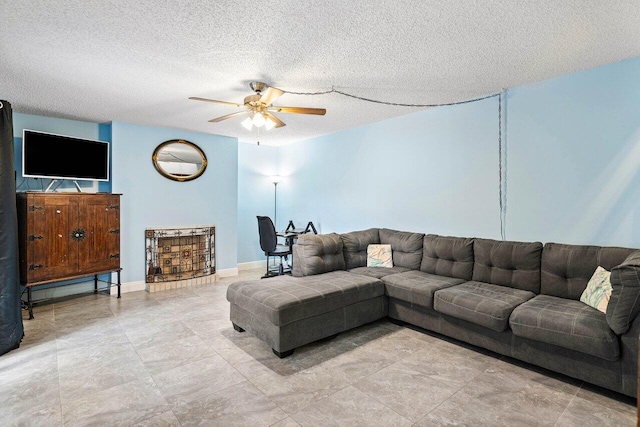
{"x": 34, "y": 237}
{"x": 115, "y": 231}
{"x": 78, "y": 234}
{"x": 34, "y": 266}
{"x": 114, "y": 256}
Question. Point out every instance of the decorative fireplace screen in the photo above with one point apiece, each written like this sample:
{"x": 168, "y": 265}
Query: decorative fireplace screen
{"x": 180, "y": 253}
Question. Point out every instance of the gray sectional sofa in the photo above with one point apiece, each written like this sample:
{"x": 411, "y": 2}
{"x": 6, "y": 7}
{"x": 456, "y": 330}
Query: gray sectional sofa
{"x": 514, "y": 298}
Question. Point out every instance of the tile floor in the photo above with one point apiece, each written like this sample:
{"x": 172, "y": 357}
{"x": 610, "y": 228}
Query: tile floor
{"x": 172, "y": 359}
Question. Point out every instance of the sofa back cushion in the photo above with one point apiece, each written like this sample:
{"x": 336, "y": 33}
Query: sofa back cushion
{"x": 513, "y": 264}
{"x": 624, "y": 304}
{"x": 447, "y": 256}
{"x": 405, "y": 246}
{"x": 355, "y": 246}
{"x": 566, "y": 269}
{"x": 316, "y": 254}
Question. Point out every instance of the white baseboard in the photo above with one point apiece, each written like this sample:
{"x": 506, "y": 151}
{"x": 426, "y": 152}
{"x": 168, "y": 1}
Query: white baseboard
{"x": 227, "y": 272}
{"x": 252, "y": 265}
{"x": 129, "y": 287}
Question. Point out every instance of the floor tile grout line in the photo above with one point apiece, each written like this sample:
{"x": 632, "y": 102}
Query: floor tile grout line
{"x": 59, "y": 383}
{"x": 338, "y": 391}
{"x": 635, "y": 407}
{"x": 174, "y": 414}
{"x": 133, "y": 379}
{"x": 279, "y": 421}
{"x": 462, "y": 387}
{"x": 384, "y": 404}
{"x": 265, "y": 395}
{"x": 565, "y": 408}
{"x": 434, "y": 379}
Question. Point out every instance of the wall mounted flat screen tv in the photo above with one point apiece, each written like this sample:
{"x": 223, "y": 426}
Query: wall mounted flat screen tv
{"x": 47, "y": 155}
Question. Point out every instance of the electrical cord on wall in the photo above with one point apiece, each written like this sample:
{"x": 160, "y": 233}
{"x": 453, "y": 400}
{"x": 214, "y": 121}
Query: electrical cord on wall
{"x": 21, "y": 183}
{"x": 501, "y": 174}
{"x": 500, "y": 166}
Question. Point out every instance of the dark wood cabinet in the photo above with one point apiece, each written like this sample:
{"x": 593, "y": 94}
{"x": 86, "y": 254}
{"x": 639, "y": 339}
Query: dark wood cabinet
{"x": 67, "y": 235}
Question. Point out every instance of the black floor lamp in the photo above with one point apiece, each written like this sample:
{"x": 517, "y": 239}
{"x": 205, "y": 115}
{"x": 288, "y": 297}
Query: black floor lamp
{"x": 275, "y": 179}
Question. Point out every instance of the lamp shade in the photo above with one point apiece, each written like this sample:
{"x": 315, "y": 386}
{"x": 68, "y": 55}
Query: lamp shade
{"x": 247, "y": 123}
{"x": 258, "y": 120}
{"x": 275, "y": 179}
{"x": 269, "y": 124}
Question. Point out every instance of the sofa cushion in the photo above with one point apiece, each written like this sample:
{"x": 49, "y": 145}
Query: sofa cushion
{"x": 566, "y": 269}
{"x": 284, "y": 299}
{"x": 406, "y": 247}
{"x": 566, "y": 323}
{"x": 504, "y": 263}
{"x": 316, "y": 254}
{"x": 625, "y": 297}
{"x": 355, "y": 246}
{"x": 377, "y": 272}
{"x": 481, "y": 303}
{"x": 416, "y": 287}
{"x": 447, "y": 256}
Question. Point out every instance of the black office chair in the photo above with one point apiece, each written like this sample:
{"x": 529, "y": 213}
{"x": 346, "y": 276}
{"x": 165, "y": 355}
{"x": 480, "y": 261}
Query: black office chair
{"x": 271, "y": 248}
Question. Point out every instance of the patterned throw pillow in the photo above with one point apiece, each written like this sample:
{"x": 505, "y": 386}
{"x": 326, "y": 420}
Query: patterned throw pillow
{"x": 598, "y": 290}
{"x": 379, "y": 256}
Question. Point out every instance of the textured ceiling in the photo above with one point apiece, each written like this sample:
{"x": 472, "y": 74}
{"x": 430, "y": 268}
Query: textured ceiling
{"x": 138, "y": 62}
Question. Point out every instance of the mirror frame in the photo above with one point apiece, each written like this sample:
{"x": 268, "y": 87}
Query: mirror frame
{"x": 166, "y": 174}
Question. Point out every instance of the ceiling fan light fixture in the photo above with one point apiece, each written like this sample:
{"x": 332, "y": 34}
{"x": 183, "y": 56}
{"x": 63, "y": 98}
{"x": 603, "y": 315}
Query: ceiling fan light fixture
{"x": 269, "y": 124}
{"x": 258, "y": 120}
{"x": 247, "y": 123}
{"x": 260, "y": 108}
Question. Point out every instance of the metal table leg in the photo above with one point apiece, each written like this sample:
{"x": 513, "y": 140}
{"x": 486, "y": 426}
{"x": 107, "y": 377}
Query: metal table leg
{"x": 30, "y": 303}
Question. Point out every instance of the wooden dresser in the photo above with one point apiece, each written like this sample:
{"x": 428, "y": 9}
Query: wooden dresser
{"x": 66, "y": 236}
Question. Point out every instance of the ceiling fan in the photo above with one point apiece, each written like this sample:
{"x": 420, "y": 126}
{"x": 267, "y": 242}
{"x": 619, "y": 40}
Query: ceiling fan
{"x": 260, "y": 108}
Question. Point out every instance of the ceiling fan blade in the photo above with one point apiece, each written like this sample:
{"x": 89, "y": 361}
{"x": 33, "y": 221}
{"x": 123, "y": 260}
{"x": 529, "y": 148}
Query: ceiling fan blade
{"x": 279, "y": 123}
{"x": 228, "y": 116}
{"x": 270, "y": 95}
{"x": 300, "y": 110}
{"x": 195, "y": 98}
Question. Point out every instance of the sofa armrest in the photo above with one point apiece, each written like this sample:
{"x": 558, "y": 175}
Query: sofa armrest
{"x": 316, "y": 254}
{"x": 624, "y": 304}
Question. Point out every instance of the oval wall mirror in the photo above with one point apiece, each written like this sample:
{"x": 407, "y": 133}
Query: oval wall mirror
{"x": 179, "y": 160}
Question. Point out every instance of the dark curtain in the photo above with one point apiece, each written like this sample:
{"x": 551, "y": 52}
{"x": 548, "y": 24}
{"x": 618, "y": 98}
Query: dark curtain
{"x": 11, "y": 330}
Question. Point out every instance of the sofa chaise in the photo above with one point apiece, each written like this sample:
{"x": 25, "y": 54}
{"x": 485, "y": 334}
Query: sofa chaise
{"x": 519, "y": 299}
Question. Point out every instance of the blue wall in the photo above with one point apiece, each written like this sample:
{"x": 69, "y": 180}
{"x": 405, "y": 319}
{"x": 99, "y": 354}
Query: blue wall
{"x": 574, "y": 158}
{"x": 572, "y": 154}
{"x": 150, "y": 200}
{"x": 428, "y": 171}
{"x": 255, "y": 196}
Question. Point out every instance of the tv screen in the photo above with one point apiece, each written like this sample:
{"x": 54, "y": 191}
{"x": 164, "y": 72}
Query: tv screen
{"x": 47, "y": 155}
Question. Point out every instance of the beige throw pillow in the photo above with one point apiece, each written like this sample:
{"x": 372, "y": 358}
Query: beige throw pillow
{"x": 598, "y": 290}
{"x": 379, "y": 256}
